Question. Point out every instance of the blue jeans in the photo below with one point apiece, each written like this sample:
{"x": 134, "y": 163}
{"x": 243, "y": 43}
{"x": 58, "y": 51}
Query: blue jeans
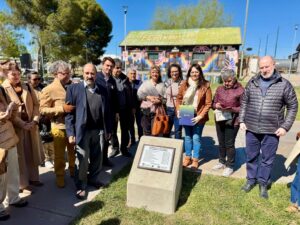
{"x": 192, "y": 140}
{"x": 173, "y": 120}
{"x": 295, "y": 187}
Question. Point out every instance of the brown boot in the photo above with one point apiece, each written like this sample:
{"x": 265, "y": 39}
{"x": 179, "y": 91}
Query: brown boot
{"x": 60, "y": 181}
{"x": 186, "y": 161}
{"x": 195, "y": 163}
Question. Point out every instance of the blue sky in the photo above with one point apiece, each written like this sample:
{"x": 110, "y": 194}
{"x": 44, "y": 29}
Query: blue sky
{"x": 264, "y": 18}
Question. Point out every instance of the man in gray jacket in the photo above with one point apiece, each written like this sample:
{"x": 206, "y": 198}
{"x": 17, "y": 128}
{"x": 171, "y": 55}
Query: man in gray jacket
{"x": 266, "y": 98}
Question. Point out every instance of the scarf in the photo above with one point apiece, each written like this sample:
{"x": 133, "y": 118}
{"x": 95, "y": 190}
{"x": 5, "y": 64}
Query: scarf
{"x": 188, "y": 98}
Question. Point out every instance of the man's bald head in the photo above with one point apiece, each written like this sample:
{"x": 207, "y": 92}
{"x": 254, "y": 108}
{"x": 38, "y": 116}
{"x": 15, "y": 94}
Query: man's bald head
{"x": 266, "y": 66}
{"x": 90, "y": 65}
{"x": 89, "y": 74}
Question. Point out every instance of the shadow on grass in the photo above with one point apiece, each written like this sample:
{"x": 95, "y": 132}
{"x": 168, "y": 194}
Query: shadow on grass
{"x": 112, "y": 221}
{"x": 89, "y": 209}
{"x": 189, "y": 180}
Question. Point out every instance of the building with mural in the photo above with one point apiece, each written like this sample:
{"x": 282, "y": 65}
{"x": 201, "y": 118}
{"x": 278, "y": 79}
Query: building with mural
{"x": 212, "y": 48}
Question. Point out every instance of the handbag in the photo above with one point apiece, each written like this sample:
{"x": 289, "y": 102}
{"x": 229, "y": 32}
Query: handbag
{"x": 3, "y": 163}
{"x": 160, "y": 122}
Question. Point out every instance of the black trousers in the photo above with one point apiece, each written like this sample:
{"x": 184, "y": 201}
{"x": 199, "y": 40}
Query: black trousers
{"x": 226, "y": 137}
{"x": 124, "y": 125}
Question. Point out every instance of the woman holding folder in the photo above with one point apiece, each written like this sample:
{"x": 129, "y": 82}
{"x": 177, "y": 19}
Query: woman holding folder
{"x": 194, "y": 92}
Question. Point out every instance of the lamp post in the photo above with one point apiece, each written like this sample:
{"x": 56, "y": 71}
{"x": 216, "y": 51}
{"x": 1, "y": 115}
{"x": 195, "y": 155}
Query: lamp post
{"x": 125, "y": 8}
{"x": 244, "y": 38}
{"x": 295, "y": 33}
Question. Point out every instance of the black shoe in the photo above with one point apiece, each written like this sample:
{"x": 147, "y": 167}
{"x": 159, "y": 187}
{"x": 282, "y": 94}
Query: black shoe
{"x": 263, "y": 191}
{"x": 81, "y": 194}
{"x": 248, "y": 187}
{"x": 127, "y": 154}
{"x": 36, "y": 183}
{"x": 132, "y": 142}
{"x": 114, "y": 153}
{"x": 19, "y": 204}
{"x": 4, "y": 216}
{"x": 107, "y": 163}
{"x": 96, "y": 185}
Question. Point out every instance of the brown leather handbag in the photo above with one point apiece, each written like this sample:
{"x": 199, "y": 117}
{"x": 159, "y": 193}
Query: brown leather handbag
{"x": 161, "y": 122}
{"x": 3, "y": 164}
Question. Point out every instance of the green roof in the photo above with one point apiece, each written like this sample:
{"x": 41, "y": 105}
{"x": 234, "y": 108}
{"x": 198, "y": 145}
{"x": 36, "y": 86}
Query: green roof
{"x": 180, "y": 37}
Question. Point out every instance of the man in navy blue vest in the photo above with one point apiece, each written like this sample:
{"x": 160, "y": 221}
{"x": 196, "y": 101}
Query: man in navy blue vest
{"x": 89, "y": 126}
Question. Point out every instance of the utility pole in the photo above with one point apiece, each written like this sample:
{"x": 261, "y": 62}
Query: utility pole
{"x": 294, "y": 39}
{"x": 258, "y": 51}
{"x": 266, "y": 47}
{"x": 244, "y": 38}
{"x": 125, "y": 8}
{"x": 276, "y": 43}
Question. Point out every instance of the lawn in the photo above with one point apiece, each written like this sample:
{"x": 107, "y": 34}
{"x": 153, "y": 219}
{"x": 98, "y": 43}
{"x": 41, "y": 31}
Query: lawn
{"x": 204, "y": 199}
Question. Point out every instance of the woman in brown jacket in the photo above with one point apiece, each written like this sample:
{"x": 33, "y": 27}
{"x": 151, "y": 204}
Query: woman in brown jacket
{"x": 194, "y": 91}
{"x": 29, "y": 144}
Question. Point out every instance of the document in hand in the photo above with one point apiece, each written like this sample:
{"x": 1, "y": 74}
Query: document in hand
{"x": 186, "y": 113}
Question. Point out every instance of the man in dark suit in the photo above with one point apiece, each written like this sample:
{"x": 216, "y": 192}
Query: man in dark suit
{"x": 124, "y": 94}
{"x": 89, "y": 126}
{"x": 105, "y": 81}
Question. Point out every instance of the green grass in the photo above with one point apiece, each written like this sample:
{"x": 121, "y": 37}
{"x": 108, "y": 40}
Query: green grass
{"x": 204, "y": 199}
{"x": 214, "y": 87}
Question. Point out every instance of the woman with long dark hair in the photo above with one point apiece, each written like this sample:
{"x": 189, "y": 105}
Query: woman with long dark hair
{"x": 195, "y": 91}
{"x": 172, "y": 87}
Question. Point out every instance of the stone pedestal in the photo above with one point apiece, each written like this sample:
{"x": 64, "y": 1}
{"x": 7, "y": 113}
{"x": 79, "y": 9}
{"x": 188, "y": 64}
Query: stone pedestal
{"x": 155, "y": 190}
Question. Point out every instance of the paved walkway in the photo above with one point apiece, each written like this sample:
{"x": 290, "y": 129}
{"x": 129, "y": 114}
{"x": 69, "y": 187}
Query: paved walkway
{"x": 50, "y": 205}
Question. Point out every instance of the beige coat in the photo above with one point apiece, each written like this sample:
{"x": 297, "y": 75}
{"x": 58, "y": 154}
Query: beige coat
{"x": 293, "y": 155}
{"x": 8, "y": 137}
{"x": 52, "y": 99}
{"x": 32, "y": 108}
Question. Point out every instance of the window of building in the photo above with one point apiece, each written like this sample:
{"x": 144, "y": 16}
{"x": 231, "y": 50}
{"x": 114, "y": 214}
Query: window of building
{"x": 153, "y": 56}
{"x": 199, "y": 56}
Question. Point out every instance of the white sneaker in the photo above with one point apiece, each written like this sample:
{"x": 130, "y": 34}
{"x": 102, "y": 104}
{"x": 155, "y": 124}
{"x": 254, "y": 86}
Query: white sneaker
{"x": 49, "y": 164}
{"x": 227, "y": 172}
{"x": 218, "y": 166}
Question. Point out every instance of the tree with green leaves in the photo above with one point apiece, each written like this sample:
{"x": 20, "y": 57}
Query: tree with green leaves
{"x": 10, "y": 40}
{"x": 204, "y": 14}
{"x": 71, "y": 30}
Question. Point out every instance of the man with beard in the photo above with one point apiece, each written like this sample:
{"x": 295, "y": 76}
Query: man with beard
{"x": 88, "y": 126}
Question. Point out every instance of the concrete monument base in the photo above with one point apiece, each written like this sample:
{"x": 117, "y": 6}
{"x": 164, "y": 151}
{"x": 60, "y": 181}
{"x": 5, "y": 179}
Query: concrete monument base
{"x": 153, "y": 183}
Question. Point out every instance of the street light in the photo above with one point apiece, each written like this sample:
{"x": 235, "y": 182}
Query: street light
{"x": 295, "y": 32}
{"x": 244, "y": 38}
{"x": 125, "y": 8}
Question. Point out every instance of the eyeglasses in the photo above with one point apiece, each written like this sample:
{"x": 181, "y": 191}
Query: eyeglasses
{"x": 66, "y": 73}
{"x": 35, "y": 79}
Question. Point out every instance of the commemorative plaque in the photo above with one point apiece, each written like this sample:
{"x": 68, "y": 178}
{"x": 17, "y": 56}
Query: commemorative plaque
{"x": 155, "y": 179}
{"x": 157, "y": 158}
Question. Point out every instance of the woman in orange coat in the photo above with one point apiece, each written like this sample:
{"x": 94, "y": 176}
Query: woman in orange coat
{"x": 194, "y": 91}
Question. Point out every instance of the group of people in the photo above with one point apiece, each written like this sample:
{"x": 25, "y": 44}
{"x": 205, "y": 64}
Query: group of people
{"x": 38, "y": 124}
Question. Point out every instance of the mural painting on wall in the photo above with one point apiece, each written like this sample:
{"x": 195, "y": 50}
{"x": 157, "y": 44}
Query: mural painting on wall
{"x": 140, "y": 60}
{"x": 212, "y": 61}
